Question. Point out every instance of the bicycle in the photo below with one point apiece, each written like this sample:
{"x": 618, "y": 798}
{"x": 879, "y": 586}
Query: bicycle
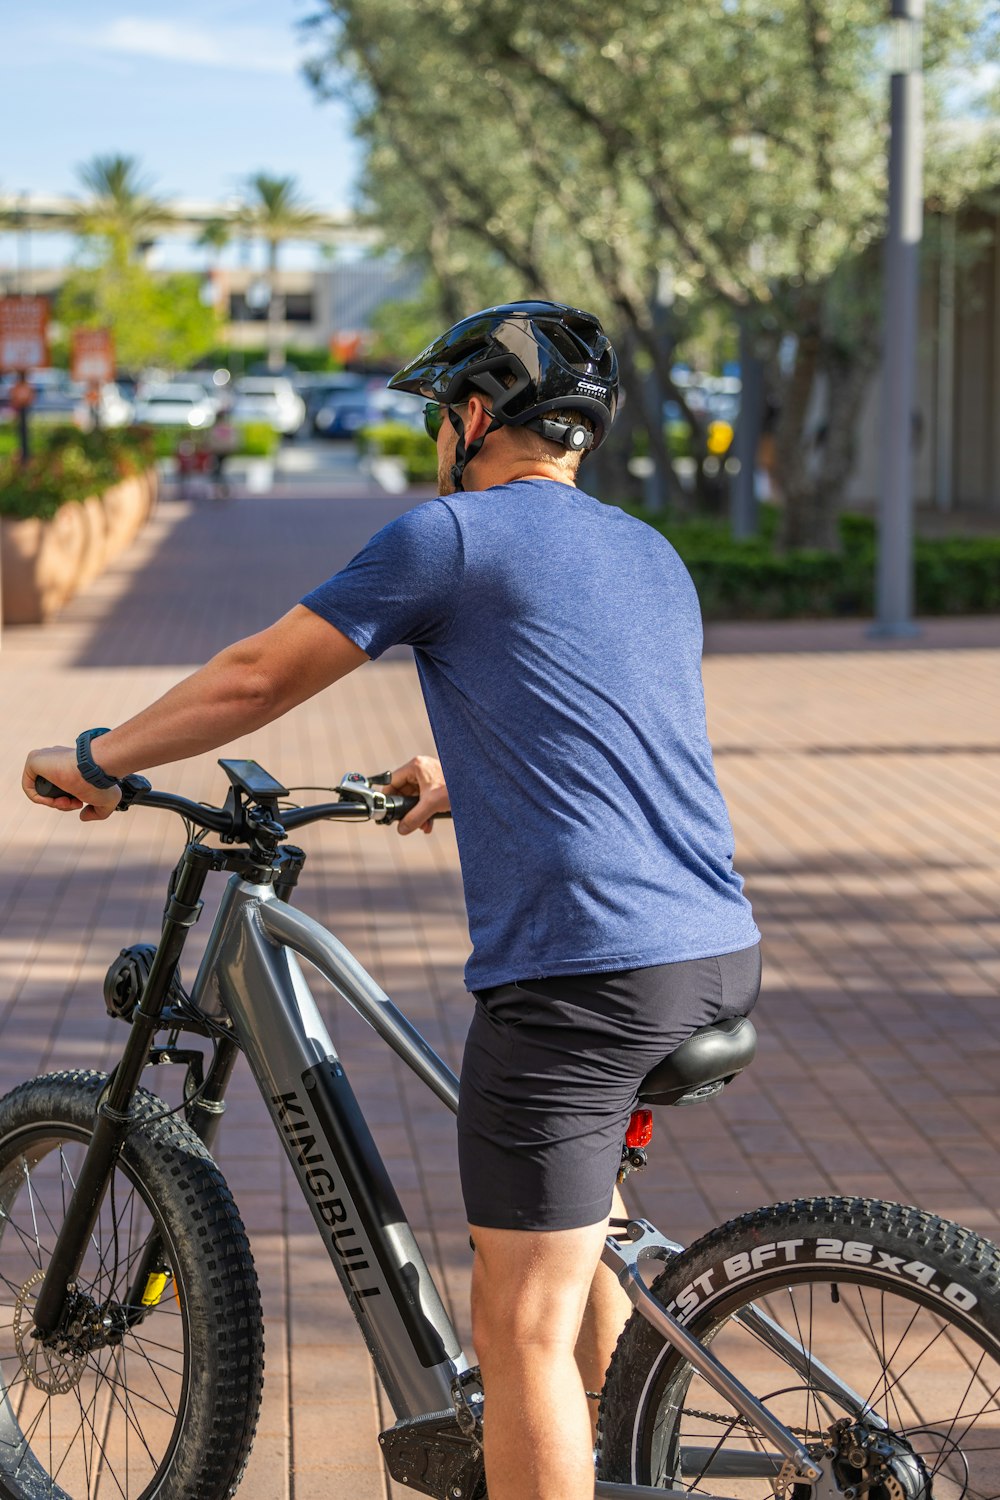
{"x": 131, "y": 1346}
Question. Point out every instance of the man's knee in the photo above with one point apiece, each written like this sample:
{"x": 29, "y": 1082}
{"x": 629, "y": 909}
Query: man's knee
{"x": 530, "y": 1288}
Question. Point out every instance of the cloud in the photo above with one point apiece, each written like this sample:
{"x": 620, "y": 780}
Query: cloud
{"x": 255, "y": 49}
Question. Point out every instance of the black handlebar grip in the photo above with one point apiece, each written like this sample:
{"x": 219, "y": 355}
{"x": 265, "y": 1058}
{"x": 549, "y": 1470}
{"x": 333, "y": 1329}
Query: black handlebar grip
{"x": 46, "y": 788}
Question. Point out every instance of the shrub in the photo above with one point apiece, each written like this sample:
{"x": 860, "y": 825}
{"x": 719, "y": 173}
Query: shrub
{"x": 751, "y": 580}
{"x": 256, "y": 439}
{"x": 69, "y": 465}
{"x": 396, "y": 440}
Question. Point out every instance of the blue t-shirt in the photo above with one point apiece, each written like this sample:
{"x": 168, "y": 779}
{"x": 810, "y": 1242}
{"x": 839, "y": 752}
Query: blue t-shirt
{"x": 558, "y": 642}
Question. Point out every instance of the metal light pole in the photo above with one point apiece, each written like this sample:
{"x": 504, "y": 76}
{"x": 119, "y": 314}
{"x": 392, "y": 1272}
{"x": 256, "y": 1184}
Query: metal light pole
{"x": 894, "y": 583}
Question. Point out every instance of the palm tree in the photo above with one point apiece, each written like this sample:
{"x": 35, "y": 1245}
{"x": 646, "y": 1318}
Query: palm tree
{"x": 275, "y": 211}
{"x": 121, "y": 208}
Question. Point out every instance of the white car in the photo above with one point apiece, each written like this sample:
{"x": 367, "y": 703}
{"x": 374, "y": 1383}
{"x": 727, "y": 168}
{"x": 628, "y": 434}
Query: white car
{"x": 271, "y": 399}
{"x": 175, "y": 405}
{"x": 113, "y": 410}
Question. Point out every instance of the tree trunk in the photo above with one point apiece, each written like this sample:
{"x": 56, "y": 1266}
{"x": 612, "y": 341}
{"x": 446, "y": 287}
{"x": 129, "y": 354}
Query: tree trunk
{"x": 606, "y": 473}
{"x": 275, "y": 311}
{"x": 813, "y": 482}
{"x": 795, "y": 441}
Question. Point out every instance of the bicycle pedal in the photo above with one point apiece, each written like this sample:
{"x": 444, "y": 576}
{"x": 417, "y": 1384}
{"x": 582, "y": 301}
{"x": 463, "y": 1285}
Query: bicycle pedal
{"x": 432, "y": 1455}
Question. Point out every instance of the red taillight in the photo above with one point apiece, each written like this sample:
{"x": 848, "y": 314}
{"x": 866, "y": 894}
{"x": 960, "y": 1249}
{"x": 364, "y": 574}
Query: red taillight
{"x": 640, "y": 1129}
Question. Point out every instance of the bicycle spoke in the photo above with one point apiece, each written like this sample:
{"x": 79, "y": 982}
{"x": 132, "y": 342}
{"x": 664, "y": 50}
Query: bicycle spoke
{"x": 151, "y": 1363}
{"x": 881, "y": 1355}
{"x": 123, "y": 1401}
{"x": 34, "y": 1218}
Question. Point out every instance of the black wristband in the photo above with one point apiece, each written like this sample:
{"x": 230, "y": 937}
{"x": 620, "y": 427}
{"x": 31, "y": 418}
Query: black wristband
{"x": 87, "y": 766}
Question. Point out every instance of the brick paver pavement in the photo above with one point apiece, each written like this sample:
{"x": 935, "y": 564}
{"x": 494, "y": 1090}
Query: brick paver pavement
{"x": 864, "y": 786}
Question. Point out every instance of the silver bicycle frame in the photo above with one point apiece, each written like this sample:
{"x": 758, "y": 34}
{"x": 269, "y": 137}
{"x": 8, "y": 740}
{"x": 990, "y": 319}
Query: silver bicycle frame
{"x": 250, "y": 973}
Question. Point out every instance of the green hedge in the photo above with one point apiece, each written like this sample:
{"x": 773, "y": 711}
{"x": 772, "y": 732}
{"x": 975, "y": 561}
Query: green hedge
{"x": 396, "y": 440}
{"x": 307, "y": 360}
{"x": 752, "y": 580}
{"x": 253, "y": 439}
{"x": 256, "y": 439}
{"x": 70, "y": 465}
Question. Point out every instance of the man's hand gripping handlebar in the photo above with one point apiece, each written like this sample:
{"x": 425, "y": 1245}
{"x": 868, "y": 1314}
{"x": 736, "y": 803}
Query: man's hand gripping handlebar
{"x": 423, "y": 779}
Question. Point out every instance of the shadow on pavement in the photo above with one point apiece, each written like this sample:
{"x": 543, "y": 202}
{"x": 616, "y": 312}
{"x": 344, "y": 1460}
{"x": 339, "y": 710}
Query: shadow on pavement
{"x": 224, "y": 569}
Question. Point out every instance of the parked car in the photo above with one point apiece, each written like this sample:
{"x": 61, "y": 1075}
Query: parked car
{"x": 271, "y": 399}
{"x": 114, "y": 409}
{"x": 216, "y": 383}
{"x": 397, "y": 406}
{"x": 181, "y": 404}
{"x": 344, "y": 413}
{"x": 326, "y": 388}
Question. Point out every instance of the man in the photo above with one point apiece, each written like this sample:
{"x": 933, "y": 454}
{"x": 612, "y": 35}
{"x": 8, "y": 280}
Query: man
{"x": 558, "y": 644}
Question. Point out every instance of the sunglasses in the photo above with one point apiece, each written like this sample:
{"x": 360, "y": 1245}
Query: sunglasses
{"x": 433, "y": 419}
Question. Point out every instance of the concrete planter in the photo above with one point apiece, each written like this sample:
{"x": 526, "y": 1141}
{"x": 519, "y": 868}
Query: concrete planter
{"x": 127, "y": 507}
{"x": 41, "y": 563}
{"x": 44, "y": 563}
{"x": 95, "y": 548}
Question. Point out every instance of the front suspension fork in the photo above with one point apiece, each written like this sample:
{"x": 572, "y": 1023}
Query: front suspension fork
{"x": 205, "y": 1117}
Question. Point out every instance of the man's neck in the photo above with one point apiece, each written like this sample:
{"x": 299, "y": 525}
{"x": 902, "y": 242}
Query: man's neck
{"x": 486, "y": 476}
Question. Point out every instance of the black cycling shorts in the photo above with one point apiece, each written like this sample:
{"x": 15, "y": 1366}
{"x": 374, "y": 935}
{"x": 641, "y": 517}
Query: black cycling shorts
{"x": 550, "y": 1076}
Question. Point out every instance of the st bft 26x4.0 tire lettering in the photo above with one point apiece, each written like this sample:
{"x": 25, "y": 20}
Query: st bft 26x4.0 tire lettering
{"x": 154, "y": 1394}
{"x": 901, "y": 1306}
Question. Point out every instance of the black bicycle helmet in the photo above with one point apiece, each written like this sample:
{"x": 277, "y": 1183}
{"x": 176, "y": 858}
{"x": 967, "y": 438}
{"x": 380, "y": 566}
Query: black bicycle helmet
{"x": 529, "y": 358}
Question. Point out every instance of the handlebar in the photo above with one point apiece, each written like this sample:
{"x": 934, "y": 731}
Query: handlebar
{"x": 221, "y": 820}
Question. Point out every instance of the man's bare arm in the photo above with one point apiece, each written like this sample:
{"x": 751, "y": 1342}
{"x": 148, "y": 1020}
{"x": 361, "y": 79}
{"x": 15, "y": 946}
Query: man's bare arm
{"x": 249, "y": 684}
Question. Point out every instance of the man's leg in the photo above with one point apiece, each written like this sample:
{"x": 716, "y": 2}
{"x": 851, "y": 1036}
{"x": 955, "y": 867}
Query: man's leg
{"x": 529, "y": 1290}
{"x": 608, "y": 1310}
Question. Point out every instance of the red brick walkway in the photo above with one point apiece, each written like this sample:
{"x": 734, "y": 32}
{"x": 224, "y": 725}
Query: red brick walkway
{"x": 864, "y": 786}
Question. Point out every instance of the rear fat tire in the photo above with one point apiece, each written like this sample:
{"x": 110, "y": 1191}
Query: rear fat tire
{"x": 867, "y": 1247}
{"x": 218, "y": 1295}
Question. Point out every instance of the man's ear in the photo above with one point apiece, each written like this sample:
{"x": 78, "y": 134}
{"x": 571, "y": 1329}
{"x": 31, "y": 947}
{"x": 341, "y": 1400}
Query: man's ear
{"x": 477, "y": 420}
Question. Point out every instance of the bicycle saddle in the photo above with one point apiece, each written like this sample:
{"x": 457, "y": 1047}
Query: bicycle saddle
{"x": 702, "y": 1065}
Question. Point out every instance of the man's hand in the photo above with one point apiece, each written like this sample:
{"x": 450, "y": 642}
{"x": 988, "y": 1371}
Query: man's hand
{"x": 421, "y": 777}
{"x": 58, "y": 763}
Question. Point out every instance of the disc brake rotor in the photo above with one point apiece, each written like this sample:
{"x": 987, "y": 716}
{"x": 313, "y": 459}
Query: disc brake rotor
{"x": 53, "y": 1369}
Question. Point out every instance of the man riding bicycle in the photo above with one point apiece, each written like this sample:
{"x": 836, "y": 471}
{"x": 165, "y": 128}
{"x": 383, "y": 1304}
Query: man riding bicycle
{"x": 558, "y": 644}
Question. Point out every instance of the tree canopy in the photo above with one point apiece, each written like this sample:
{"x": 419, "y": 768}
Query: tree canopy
{"x": 643, "y": 160}
{"x": 121, "y": 207}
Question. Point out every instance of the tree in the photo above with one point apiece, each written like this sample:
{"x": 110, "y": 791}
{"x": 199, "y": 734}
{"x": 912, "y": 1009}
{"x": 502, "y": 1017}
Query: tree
{"x": 121, "y": 209}
{"x": 578, "y": 152}
{"x": 155, "y": 319}
{"x": 275, "y": 212}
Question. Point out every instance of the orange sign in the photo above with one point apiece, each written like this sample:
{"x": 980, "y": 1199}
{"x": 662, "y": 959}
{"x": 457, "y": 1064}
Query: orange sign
{"x": 93, "y": 361}
{"x": 345, "y": 346}
{"x": 24, "y": 323}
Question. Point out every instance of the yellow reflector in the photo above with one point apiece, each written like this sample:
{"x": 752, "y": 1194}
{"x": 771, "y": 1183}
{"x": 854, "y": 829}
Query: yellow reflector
{"x": 155, "y": 1287}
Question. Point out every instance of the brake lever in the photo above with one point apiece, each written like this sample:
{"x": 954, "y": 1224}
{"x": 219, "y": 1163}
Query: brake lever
{"x": 354, "y": 787}
{"x": 384, "y": 778}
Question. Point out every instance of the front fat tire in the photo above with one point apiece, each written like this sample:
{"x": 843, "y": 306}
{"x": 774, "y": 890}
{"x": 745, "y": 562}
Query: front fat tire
{"x": 847, "y": 1260}
{"x": 217, "y": 1296}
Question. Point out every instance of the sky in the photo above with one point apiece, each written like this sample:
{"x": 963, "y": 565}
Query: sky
{"x": 202, "y": 92}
